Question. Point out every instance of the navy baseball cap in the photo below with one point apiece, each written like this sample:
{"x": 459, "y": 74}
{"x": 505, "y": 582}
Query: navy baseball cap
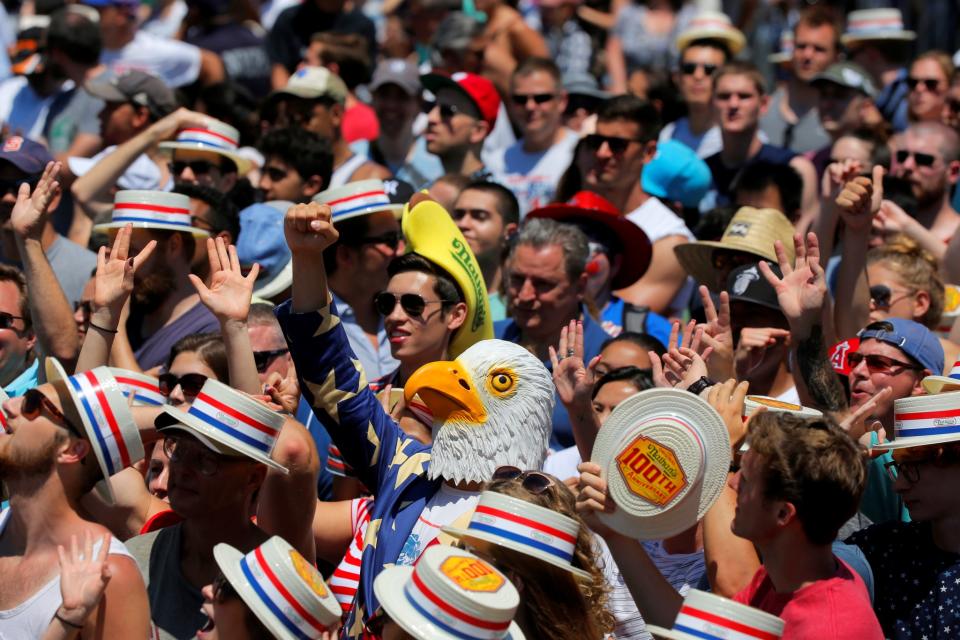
{"x": 911, "y": 337}
{"x": 747, "y": 284}
{"x": 25, "y": 154}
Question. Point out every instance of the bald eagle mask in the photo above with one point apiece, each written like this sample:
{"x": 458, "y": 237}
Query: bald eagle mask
{"x": 491, "y": 407}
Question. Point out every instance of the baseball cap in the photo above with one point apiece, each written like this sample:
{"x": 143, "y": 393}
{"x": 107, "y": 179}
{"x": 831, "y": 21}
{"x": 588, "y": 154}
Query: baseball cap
{"x": 399, "y": 72}
{"x": 677, "y": 174}
{"x": 261, "y": 240}
{"x": 911, "y": 337}
{"x": 399, "y": 192}
{"x": 137, "y": 87}
{"x": 581, "y": 83}
{"x": 849, "y": 75}
{"x": 747, "y": 284}
{"x": 478, "y": 89}
{"x": 312, "y": 83}
{"x": 839, "y": 353}
{"x": 25, "y": 154}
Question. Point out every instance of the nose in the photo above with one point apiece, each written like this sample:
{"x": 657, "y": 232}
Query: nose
{"x": 187, "y": 174}
{"x": 160, "y": 482}
{"x": 433, "y": 116}
{"x": 605, "y": 151}
{"x": 401, "y": 245}
{"x": 734, "y": 481}
{"x": 79, "y": 318}
{"x": 527, "y": 290}
{"x": 207, "y": 592}
{"x": 397, "y": 314}
{"x": 176, "y": 397}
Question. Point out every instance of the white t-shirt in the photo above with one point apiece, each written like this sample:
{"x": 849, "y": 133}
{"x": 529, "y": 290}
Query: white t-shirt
{"x": 533, "y": 177}
{"x": 442, "y": 509}
{"x": 176, "y": 63}
{"x": 563, "y": 464}
{"x": 658, "y": 221}
{"x": 22, "y": 110}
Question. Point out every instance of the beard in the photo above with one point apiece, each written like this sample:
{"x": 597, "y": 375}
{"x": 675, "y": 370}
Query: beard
{"x": 17, "y": 463}
{"x": 150, "y": 292}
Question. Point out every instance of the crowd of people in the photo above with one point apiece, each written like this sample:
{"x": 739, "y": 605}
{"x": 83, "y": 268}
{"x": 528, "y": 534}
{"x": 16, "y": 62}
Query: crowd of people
{"x": 483, "y": 320}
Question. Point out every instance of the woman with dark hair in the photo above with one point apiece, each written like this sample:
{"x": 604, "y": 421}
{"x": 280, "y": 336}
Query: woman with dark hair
{"x": 193, "y": 359}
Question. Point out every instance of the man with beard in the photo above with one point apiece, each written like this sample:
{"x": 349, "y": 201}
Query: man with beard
{"x": 165, "y": 306}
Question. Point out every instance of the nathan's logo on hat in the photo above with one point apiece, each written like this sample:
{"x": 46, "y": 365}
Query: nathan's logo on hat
{"x": 744, "y": 279}
{"x": 652, "y": 471}
{"x": 308, "y": 573}
{"x": 472, "y": 574}
{"x": 460, "y": 252}
{"x": 12, "y": 144}
{"x": 738, "y": 230}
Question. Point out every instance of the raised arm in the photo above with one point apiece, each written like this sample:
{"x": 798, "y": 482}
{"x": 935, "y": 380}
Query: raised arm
{"x": 574, "y": 381}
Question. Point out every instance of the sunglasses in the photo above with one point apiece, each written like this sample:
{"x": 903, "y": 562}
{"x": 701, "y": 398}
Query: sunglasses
{"x": 690, "y": 68}
{"x": 930, "y": 84}
{"x": 922, "y": 159}
{"x": 390, "y": 239}
{"x": 198, "y": 167}
{"x": 447, "y": 111}
{"x": 879, "y": 364}
{"x": 616, "y": 145}
{"x": 882, "y": 296}
{"x": 264, "y": 358}
{"x": 521, "y": 99}
{"x": 12, "y": 185}
{"x": 190, "y": 383}
{"x": 533, "y": 481}
{"x": 412, "y": 304}
{"x": 34, "y": 401}
{"x": 6, "y": 320}
{"x": 194, "y": 455}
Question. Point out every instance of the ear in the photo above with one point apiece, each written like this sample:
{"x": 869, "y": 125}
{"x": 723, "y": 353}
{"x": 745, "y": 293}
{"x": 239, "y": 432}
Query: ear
{"x": 257, "y": 475}
{"x": 953, "y": 172}
{"x": 921, "y": 303}
{"x": 918, "y": 389}
{"x": 345, "y": 256}
{"x": 481, "y": 129}
{"x": 562, "y": 101}
{"x": 312, "y": 186}
{"x": 74, "y": 451}
{"x": 336, "y": 115}
{"x": 649, "y": 151}
{"x": 509, "y": 230}
{"x": 141, "y": 117}
{"x": 764, "y": 104}
{"x": 228, "y": 182}
{"x": 786, "y": 513}
{"x": 457, "y": 316}
{"x": 581, "y": 284}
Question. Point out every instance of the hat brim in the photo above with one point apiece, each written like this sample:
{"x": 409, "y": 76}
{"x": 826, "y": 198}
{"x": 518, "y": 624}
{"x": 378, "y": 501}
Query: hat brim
{"x": 668, "y": 634}
{"x": 104, "y": 90}
{"x": 779, "y": 58}
{"x": 895, "y": 36}
{"x": 939, "y": 384}
{"x": 637, "y": 249}
{"x": 172, "y": 419}
{"x": 243, "y": 164}
{"x": 686, "y": 510}
{"x": 278, "y": 284}
{"x": 194, "y": 231}
{"x": 389, "y": 589}
{"x": 697, "y": 259}
{"x": 734, "y": 40}
{"x": 466, "y": 534}
{"x": 918, "y": 441}
{"x": 395, "y": 209}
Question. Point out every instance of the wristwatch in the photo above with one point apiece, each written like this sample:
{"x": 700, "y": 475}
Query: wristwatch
{"x": 697, "y": 387}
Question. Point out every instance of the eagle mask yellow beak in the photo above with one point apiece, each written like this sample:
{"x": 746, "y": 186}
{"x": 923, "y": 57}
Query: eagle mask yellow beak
{"x": 449, "y": 392}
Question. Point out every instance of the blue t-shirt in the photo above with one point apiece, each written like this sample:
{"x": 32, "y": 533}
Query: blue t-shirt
{"x": 25, "y": 381}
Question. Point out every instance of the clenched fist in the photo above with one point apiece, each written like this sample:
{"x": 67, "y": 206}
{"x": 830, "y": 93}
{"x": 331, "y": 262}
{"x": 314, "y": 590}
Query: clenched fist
{"x": 308, "y": 228}
{"x": 860, "y": 200}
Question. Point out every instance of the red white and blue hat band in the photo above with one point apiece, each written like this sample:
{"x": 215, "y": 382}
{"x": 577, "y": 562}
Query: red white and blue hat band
{"x": 445, "y": 616}
{"x": 704, "y": 624}
{"x": 921, "y": 424}
{"x": 143, "y": 391}
{"x": 106, "y": 429}
{"x": 374, "y": 200}
{"x": 955, "y": 371}
{"x": 208, "y": 138}
{"x": 243, "y": 428}
{"x": 277, "y": 598}
{"x": 151, "y": 213}
{"x": 860, "y": 26}
{"x": 524, "y": 531}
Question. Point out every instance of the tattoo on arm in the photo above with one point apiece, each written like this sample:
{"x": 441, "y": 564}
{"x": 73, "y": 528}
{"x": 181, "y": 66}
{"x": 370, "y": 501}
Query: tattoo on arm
{"x": 822, "y": 383}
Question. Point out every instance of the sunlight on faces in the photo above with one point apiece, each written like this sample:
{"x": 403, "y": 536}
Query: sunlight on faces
{"x": 755, "y": 518}
{"x": 603, "y": 168}
{"x": 32, "y": 446}
{"x": 622, "y": 353}
{"x": 411, "y": 337}
{"x": 928, "y": 184}
{"x": 187, "y": 362}
{"x": 904, "y": 302}
{"x": 270, "y": 338}
{"x": 221, "y": 175}
{"x": 537, "y": 121}
{"x": 475, "y": 213}
{"x": 540, "y": 295}
{"x": 815, "y": 49}
{"x": 924, "y": 103}
{"x": 369, "y": 261}
{"x": 697, "y": 87}
{"x": 838, "y": 107}
{"x": 852, "y": 148}
{"x": 610, "y": 395}
{"x": 117, "y": 122}
{"x": 864, "y": 384}
{"x": 464, "y": 128}
{"x": 738, "y": 103}
{"x": 280, "y": 181}
{"x": 17, "y": 342}
{"x": 395, "y": 108}
{"x": 158, "y": 471}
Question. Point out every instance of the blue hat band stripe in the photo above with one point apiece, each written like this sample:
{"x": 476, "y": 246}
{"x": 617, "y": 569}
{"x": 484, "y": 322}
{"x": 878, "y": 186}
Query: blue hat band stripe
{"x": 205, "y": 143}
{"x": 930, "y": 431}
{"x": 242, "y": 437}
{"x": 150, "y": 220}
{"x": 695, "y": 632}
{"x": 433, "y": 620}
{"x": 107, "y": 457}
{"x": 524, "y": 540}
{"x": 365, "y": 207}
{"x": 144, "y": 399}
{"x": 274, "y": 609}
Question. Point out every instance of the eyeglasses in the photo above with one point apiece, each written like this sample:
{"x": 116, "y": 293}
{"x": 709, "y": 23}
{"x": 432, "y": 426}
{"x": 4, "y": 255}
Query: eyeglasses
{"x": 447, "y": 111}
{"x": 6, "y": 320}
{"x": 222, "y": 589}
{"x": 909, "y": 470}
{"x": 264, "y": 358}
{"x": 197, "y": 167}
{"x": 882, "y": 296}
{"x": 412, "y": 304}
{"x": 390, "y": 239}
{"x": 34, "y": 401}
{"x": 190, "y": 383}
{"x": 690, "y": 68}
{"x": 521, "y": 99}
{"x": 879, "y": 364}
{"x": 193, "y": 455}
{"x": 922, "y": 159}
{"x": 533, "y": 481}
{"x": 930, "y": 84}
{"x": 616, "y": 145}
{"x": 12, "y": 185}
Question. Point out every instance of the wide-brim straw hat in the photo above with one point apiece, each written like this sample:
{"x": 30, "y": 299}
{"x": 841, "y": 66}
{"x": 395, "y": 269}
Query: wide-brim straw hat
{"x": 160, "y": 210}
{"x": 706, "y": 615}
{"x": 752, "y": 404}
{"x": 923, "y": 420}
{"x": 217, "y": 137}
{"x": 359, "y": 198}
{"x": 868, "y": 25}
{"x": 712, "y": 25}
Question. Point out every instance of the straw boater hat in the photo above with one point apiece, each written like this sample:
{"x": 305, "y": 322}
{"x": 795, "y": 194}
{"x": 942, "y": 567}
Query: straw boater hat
{"x": 228, "y": 422}
{"x": 107, "y": 420}
{"x": 525, "y": 527}
{"x": 923, "y": 420}
{"x": 356, "y": 199}
{"x": 160, "y": 210}
{"x": 712, "y": 25}
{"x": 450, "y": 594}
{"x": 589, "y": 207}
{"x": 750, "y": 230}
{"x": 875, "y": 24}
{"x": 145, "y": 389}
{"x": 665, "y": 455}
{"x": 217, "y": 137}
{"x": 284, "y": 591}
{"x": 942, "y": 384}
{"x": 705, "y": 615}
{"x": 430, "y": 232}
{"x": 951, "y": 310}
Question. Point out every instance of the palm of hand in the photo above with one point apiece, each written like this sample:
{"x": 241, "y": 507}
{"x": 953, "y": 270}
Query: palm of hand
{"x": 82, "y": 584}
{"x": 572, "y": 379}
{"x": 112, "y": 283}
{"x": 229, "y": 295}
{"x": 800, "y": 292}
{"x": 27, "y": 214}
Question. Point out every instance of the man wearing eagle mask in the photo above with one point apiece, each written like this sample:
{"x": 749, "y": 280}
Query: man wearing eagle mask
{"x": 491, "y": 406}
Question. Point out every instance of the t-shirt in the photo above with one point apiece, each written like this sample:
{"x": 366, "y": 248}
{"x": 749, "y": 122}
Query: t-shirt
{"x": 73, "y": 265}
{"x": 244, "y": 58}
{"x": 917, "y": 584}
{"x": 290, "y": 36}
{"x": 838, "y": 607}
{"x": 155, "y": 350}
{"x": 723, "y": 176}
{"x": 176, "y": 63}
{"x": 658, "y": 221}
{"x": 806, "y": 135}
{"x": 22, "y": 110}
{"x": 705, "y": 144}
{"x": 346, "y": 577}
{"x": 533, "y": 176}
{"x": 80, "y": 114}
{"x": 444, "y": 507}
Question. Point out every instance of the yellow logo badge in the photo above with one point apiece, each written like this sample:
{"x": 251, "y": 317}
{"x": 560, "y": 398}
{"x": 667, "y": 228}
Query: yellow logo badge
{"x": 651, "y": 471}
{"x": 308, "y": 574}
{"x": 471, "y": 574}
{"x": 775, "y": 404}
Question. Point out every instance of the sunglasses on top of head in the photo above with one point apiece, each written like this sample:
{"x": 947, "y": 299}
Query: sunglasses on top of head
{"x": 535, "y": 482}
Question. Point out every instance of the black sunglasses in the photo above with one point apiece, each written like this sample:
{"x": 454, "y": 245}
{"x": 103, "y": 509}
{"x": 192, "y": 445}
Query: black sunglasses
{"x": 882, "y": 296}
{"x": 922, "y": 159}
{"x": 190, "y": 383}
{"x": 412, "y": 304}
{"x": 447, "y": 111}
{"x": 617, "y": 145}
{"x": 535, "y": 482}
{"x": 34, "y": 401}
{"x": 6, "y": 320}
{"x": 390, "y": 239}
{"x": 690, "y": 68}
{"x": 198, "y": 167}
{"x": 521, "y": 99}
{"x": 264, "y": 358}
{"x": 879, "y": 364}
{"x": 12, "y": 185}
{"x": 930, "y": 84}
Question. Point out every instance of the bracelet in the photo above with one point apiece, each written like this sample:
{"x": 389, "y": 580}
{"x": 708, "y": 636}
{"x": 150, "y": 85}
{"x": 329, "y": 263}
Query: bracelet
{"x": 66, "y": 622}
{"x": 99, "y": 328}
{"x": 699, "y": 385}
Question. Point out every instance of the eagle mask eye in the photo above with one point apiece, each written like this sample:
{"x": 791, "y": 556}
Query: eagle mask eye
{"x": 502, "y": 383}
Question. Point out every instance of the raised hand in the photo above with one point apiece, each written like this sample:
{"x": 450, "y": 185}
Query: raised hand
{"x": 30, "y": 214}
{"x": 727, "y": 398}
{"x": 284, "y": 392}
{"x": 754, "y": 342}
{"x": 860, "y": 199}
{"x": 593, "y": 498}
{"x": 836, "y": 176}
{"x": 229, "y": 294}
{"x": 685, "y": 360}
{"x": 113, "y": 282}
{"x": 574, "y": 380}
{"x": 309, "y": 229}
{"x": 718, "y": 334}
{"x": 802, "y": 289}
{"x": 83, "y": 577}
{"x": 857, "y": 422}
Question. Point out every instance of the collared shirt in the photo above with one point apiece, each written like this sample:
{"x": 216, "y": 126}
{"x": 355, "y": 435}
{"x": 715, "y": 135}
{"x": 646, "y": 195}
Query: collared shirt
{"x": 376, "y": 362}
{"x": 25, "y": 381}
{"x": 593, "y": 338}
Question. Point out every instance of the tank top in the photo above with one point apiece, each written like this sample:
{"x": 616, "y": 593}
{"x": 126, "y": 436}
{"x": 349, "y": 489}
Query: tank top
{"x": 342, "y": 174}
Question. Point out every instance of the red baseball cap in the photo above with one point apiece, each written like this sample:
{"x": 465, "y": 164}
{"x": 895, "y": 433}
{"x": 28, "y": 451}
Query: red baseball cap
{"x": 480, "y": 91}
{"x": 838, "y": 355}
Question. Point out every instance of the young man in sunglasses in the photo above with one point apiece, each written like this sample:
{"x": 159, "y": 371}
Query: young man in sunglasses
{"x": 533, "y": 166}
